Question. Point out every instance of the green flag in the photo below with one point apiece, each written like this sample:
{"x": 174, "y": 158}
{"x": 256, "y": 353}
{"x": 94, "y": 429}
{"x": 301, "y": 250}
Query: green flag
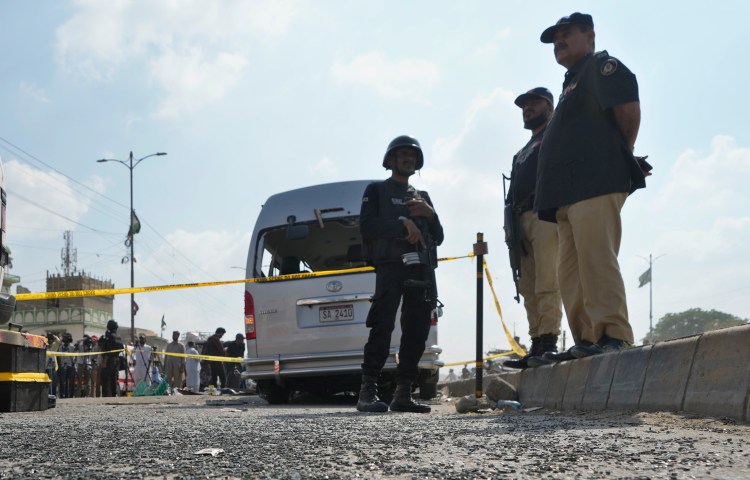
{"x": 135, "y": 224}
{"x": 644, "y": 278}
{"x": 163, "y": 323}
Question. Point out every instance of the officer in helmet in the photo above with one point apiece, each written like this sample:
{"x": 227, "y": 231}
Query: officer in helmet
{"x": 397, "y": 219}
{"x": 110, "y": 361}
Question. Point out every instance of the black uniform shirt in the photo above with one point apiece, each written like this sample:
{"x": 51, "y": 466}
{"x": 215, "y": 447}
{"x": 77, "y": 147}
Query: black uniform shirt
{"x": 523, "y": 175}
{"x": 382, "y": 205}
{"x": 583, "y": 153}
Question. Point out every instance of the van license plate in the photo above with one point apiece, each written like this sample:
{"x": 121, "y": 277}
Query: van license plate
{"x": 337, "y": 313}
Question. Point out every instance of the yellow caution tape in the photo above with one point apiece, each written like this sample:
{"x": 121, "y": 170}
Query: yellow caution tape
{"x": 24, "y": 377}
{"x": 104, "y": 292}
{"x": 209, "y": 358}
{"x": 80, "y": 354}
{"x": 512, "y": 341}
{"x": 515, "y": 347}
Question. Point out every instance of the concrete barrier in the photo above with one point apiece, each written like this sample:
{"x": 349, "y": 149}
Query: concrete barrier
{"x": 667, "y": 375}
{"x": 599, "y": 381}
{"x": 627, "y": 382}
{"x": 557, "y": 383}
{"x": 706, "y": 374}
{"x": 720, "y": 377}
{"x": 576, "y": 385}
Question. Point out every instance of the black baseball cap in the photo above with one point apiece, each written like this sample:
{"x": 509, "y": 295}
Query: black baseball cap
{"x": 577, "y": 18}
{"x": 538, "y": 92}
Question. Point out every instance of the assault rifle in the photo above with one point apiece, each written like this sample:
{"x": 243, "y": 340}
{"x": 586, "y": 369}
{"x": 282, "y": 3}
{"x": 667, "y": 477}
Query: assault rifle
{"x": 512, "y": 229}
{"x": 426, "y": 257}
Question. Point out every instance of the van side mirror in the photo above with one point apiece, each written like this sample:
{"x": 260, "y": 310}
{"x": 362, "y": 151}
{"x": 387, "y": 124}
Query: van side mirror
{"x": 296, "y": 232}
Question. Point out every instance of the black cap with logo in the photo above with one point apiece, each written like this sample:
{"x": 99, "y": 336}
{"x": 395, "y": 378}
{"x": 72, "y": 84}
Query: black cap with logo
{"x": 538, "y": 92}
{"x": 576, "y": 18}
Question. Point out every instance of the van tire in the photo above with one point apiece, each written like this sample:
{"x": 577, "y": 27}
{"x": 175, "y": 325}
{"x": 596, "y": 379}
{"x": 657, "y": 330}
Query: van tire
{"x": 274, "y": 394}
{"x": 428, "y": 384}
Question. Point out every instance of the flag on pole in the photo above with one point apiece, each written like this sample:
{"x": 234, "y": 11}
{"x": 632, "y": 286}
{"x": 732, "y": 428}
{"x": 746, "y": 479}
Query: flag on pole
{"x": 135, "y": 308}
{"x": 644, "y": 278}
{"x": 163, "y": 323}
{"x": 135, "y": 224}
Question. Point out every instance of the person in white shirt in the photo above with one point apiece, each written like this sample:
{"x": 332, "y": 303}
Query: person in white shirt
{"x": 142, "y": 361}
{"x": 192, "y": 369}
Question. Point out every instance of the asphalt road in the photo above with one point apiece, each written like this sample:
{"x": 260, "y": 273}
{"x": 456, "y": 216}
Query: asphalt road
{"x": 159, "y": 437}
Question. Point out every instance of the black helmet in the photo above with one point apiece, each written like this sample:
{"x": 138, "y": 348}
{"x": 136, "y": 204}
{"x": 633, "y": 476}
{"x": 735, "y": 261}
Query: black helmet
{"x": 112, "y": 325}
{"x": 404, "y": 141}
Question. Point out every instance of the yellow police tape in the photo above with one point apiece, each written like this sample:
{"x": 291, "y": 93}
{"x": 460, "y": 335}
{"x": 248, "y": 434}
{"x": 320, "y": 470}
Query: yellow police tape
{"x": 21, "y": 297}
{"x": 280, "y": 278}
{"x": 24, "y": 377}
{"x": 514, "y": 346}
{"x": 209, "y": 358}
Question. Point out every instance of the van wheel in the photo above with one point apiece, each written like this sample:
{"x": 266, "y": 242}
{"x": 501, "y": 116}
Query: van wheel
{"x": 428, "y": 384}
{"x": 274, "y": 394}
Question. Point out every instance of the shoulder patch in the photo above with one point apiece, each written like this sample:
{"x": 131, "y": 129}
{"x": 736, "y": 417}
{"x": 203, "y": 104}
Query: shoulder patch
{"x": 608, "y": 67}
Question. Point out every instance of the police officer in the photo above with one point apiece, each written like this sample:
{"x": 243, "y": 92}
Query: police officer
{"x": 110, "y": 361}
{"x": 67, "y": 370}
{"x": 538, "y": 267}
{"x": 397, "y": 219}
{"x": 586, "y": 171}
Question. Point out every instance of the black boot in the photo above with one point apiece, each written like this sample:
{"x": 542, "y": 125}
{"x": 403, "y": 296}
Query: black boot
{"x": 536, "y": 342}
{"x": 368, "y": 396}
{"x": 402, "y": 401}
{"x": 548, "y": 344}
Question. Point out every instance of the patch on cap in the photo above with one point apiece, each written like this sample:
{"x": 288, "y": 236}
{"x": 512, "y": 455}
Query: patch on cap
{"x": 608, "y": 67}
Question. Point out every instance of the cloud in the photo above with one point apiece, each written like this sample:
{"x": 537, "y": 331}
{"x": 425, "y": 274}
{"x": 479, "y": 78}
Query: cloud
{"x": 491, "y": 48}
{"x": 34, "y": 92}
{"x": 325, "y": 168}
{"x": 192, "y": 38}
{"x": 40, "y": 199}
{"x": 408, "y": 78}
{"x": 192, "y": 81}
{"x": 707, "y": 198}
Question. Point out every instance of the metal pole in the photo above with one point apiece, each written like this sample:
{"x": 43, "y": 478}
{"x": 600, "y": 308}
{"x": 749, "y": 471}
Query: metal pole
{"x": 480, "y": 250}
{"x": 132, "y": 252}
{"x": 650, "y": 300}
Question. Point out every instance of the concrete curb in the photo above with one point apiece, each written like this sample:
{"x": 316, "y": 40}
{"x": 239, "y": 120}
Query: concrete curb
{"x": 708, "y": 374}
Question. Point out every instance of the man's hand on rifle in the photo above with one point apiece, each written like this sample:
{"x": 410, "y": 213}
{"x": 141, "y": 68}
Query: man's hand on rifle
{"x": 413, "y": 234}
{"x": 420, "y": 208}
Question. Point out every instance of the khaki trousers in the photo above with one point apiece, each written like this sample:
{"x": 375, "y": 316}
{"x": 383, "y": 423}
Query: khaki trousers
{"x": 538, "y": 283}
{"x": 591, "y": 285}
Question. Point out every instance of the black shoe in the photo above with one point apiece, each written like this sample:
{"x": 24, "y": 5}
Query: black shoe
{"x": 548, "y": 345}
{"x": 604, "y": 345}
{"x": 368, "y": 396}
{"x": 402, "y": 401}
{"x": 567, "y": 354}
{"x": 522, "y": 362}
{"x": 536, "y": 343}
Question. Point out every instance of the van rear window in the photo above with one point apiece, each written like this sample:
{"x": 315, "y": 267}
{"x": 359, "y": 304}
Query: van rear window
{"x": 338, "y": 245}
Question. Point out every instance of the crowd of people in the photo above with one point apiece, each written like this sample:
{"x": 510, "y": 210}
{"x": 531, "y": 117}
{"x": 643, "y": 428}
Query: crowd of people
{"x": 92, "y": 365}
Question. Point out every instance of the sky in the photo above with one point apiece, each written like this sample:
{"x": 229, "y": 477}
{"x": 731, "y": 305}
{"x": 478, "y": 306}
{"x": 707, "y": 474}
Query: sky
{"x": 252, "y": 98}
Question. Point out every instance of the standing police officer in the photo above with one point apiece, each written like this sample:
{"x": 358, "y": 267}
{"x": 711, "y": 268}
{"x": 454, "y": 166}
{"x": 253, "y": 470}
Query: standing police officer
{"x": 110, "y": 361}
{"x": 586, "y": 171}
{"x": 397, "y": 219}
{"x": 538, "y": 266}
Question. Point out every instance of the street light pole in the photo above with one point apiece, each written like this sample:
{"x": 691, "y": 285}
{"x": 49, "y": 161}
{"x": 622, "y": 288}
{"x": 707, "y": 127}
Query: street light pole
{"x": 131, "y": 233}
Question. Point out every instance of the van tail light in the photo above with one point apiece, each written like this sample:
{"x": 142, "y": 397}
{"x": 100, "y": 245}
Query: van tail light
{"x": 249, "y": 316}
{"x": 433, "y": 318}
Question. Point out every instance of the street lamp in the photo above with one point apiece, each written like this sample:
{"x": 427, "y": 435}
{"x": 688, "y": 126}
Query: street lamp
{"x": 131, "y": 164}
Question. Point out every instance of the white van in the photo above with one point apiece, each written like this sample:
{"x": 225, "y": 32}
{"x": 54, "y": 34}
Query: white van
{"x": 307, "y": 332}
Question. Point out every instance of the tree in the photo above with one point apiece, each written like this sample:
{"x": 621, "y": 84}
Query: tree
{"x": 692, "y": 322}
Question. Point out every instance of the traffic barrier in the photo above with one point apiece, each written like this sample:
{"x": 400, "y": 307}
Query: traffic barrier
{"x": 24, "y": 385}
{"x": 667, "y": 374}
{"x": 720, "y": 377}
{"x": 576, "y": 384}
{"x": 543, "y": 377}
{"x": 556, "y": 388}
{"x": 627, "y": 381}
{"x": 599, "y": 381}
